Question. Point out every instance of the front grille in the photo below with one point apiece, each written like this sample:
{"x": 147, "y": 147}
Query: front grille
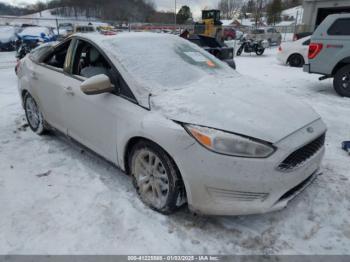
{"x": 225, "y": 194}
{"x": 300, "y": 156}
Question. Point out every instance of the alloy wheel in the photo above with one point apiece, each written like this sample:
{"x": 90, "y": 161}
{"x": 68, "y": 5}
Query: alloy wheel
{"x": 345, "y": 80}
{"x": 33, "y": 114}
{"x": 151, "y": 178}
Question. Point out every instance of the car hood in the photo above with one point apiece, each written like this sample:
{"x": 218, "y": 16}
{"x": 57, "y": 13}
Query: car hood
{"x": 236, "y": 104}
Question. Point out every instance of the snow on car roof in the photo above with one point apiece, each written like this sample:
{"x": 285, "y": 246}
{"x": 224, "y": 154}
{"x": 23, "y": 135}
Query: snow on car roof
{"x": 34, "y": 31}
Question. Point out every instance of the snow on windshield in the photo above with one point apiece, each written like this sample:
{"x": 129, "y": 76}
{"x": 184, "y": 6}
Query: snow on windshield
{"x": 163, "y": 61}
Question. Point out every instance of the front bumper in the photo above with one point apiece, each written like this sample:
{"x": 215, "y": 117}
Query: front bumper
{"x": 225, "y": 185}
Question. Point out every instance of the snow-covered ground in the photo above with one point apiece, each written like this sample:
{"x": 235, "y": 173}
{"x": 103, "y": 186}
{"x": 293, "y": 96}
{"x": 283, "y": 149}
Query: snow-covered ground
{"x": 57, "y": 198}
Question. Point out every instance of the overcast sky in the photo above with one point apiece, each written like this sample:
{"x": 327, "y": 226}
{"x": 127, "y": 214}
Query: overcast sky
{"x": 195, "y": 5}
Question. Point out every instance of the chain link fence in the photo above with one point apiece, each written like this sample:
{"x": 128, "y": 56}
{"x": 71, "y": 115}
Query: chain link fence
{"x": 287, "y": 32}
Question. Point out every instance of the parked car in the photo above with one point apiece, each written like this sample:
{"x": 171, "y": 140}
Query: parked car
{"x": 182, "y": 123}
{"x": 7, "y": 38}
{"x": 229, "y": 34}
{"x": 84, "y": 29}
{"x": 329, "y": 52}
{"x": 294, "y": 53}
{"x": 36, "y": 31}
{"x": 31, "y": 37}
{"x": 67, "y": 27}
{"x": 268, "y": 33}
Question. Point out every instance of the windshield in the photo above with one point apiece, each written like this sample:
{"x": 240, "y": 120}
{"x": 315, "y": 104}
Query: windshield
{"x": 164, "y": 62}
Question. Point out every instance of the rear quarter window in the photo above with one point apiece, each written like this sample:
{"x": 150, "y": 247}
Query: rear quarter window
{"x": 340, "y": 27}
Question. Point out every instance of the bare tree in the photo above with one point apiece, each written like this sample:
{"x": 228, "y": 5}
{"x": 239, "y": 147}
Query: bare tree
{"x": 229, "y": 8}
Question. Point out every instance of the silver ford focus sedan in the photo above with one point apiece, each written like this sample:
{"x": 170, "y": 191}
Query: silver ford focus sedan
{"x": 183, "y": 124}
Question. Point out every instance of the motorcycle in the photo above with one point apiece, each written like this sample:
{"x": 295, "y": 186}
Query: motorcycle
{"x": 251, "y": 46}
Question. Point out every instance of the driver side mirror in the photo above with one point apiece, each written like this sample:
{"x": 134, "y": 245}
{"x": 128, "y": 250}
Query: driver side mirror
{"x": 95, "y": 85}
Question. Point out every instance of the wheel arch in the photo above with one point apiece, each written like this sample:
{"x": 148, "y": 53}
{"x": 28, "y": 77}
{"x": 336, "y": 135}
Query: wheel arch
{"x": 23, "y": 94}
{"x": 136, "y": 139}
{"x": 342, "y": 63}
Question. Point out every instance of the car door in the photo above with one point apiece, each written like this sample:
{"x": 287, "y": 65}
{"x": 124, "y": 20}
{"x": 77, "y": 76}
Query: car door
{"x": 48, "y": 77}
{"x": 336, "y": 44}
{"x": 91, "y": 119}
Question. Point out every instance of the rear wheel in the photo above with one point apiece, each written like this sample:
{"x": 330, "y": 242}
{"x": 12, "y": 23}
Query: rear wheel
{"x": 34, "y": 116}
{"x": 260, "y": 51}
{"x": 296, "y": 60}
{"x": 342, "y": 81}
{"x": 155, "y": 177}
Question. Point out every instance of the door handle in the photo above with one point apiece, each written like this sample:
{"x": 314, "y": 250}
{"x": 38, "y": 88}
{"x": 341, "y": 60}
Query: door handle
{"x": 69, "y": 90}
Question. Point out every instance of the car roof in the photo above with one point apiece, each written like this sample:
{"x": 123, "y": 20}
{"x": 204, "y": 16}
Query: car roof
{"x": 344, "y": 15}
{"x": 98, "y": 38}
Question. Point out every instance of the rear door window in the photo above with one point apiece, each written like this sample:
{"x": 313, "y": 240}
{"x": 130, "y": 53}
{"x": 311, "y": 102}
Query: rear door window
{"x": 340, "y": 27}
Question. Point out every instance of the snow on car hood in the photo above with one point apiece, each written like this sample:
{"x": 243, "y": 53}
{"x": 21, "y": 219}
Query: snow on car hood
{"x": 236, "y": 104}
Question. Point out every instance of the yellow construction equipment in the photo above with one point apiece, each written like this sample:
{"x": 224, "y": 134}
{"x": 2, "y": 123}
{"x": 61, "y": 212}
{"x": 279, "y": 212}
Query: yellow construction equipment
{"x": 211, "y": 25}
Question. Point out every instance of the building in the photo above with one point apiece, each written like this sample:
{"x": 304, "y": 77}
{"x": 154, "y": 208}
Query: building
{"x": 315, "y": 11}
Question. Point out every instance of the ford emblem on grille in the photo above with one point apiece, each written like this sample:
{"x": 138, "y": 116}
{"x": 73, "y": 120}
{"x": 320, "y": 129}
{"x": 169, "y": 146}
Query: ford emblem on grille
{"x": 310, "y": 129}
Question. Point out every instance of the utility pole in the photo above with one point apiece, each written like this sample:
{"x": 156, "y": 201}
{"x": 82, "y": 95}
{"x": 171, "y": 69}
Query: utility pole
{"x": 175, "y": 13}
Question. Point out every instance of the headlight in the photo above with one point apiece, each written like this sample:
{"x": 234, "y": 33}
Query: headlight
{"x": 228, "y": 143}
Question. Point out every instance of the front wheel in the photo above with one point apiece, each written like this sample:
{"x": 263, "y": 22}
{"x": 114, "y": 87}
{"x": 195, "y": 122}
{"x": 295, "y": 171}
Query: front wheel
{"x": 34, "y": 116}
{"x": 239, "y": 51}
{"x": 259, "y": 51}
{"x": 155, "y": 177}
{"x": 341, "y": 81}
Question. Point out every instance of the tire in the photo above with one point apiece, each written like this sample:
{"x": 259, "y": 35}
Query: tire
{"x": 33, "y": 115}
{"x": 239, "y": 51}
{"x": 260, "y": 51}
{"x": 296, "y": 60}
{"x": 155, "y": 177}
{"x": 341, "y": 81}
